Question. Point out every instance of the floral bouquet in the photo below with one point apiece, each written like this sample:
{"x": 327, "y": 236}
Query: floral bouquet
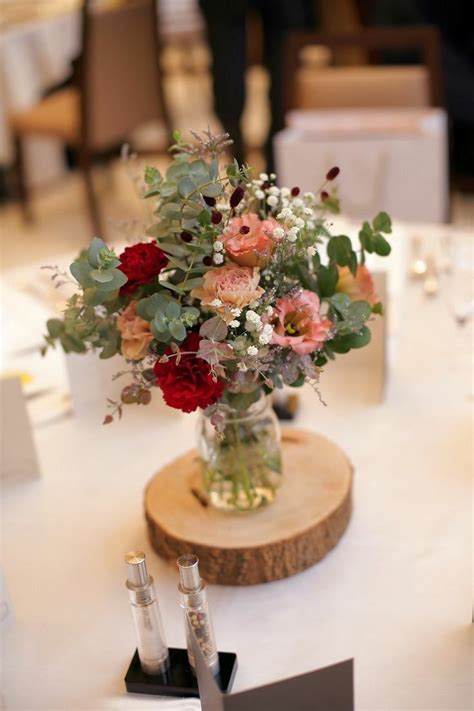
{"x": 237, "y": 289}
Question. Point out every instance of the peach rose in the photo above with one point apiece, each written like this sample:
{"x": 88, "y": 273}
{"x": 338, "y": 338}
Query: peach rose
{"x": 135, "y": 332}
{"x": 227, "y": 288}
{"x": 299, "y": 325}
{"x": 360, "y": 286}
{"x": 253, "y": 248}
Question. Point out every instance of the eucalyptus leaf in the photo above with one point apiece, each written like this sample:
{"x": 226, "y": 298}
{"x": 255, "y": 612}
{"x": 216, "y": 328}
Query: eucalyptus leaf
{"x": 152, "y": 175}
{"x": 327, "y": 280}
{"x": 95, "y": 247}
{"x": 159, "y": 322}
{"x": 186, "y": 187}
{"x": 204, "y": 218}
{"x": 341, "y": 302}
{"x": 212, "y": 190}
{"x": 381, "y": 246}
{"x": 109, "y": 350}
{"x": 214, "y": 169}
{"x": 102, "y": 275}
{"x": 382, "y": 223}
{"x": 55, "y": 327}
{"x": 365, "y": 237}
{"x": 177, "y": 330}
{"x": 171, "y": 210}
{"x": 353, "y": 263}
{"x": 191, "y": 283}
{"x": 176, "y": 171}
{"x": 172, "y": 287}
{"x": 173, "y": 310}
{"x": 167, "y": 190}
{"x": 214, "y": 329}
{"x": 81, "y": 272}
{"x": 177, "y": 250}
{"x": 163, "y": 337}
{"x": 118, "y": 280}
{"x": 360, "y": 311}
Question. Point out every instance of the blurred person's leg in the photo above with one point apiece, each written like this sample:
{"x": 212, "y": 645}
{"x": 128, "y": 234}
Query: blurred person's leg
{"x": 280, "y": 17}
{"x": 225, "y": 20}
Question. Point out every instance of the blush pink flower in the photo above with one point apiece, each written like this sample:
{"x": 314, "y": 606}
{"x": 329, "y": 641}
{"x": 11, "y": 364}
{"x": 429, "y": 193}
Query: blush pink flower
{"x": 227, "y": 288}
{"x": 251, "y": 246}
{"x": 360, "y": 286}
{"x": 299, "y": 324}
{"x": 135, "y": 332}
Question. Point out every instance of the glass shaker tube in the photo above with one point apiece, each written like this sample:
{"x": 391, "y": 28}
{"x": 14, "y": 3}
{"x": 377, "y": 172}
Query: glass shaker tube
{"x": 152, "y": 649}
{"x": 196, "y": 609}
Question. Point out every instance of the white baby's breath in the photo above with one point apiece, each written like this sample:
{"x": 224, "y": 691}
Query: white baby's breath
{"x": 252, "y": 351}
{"x": 218, "y": 245}
{"x": 259, "y": 194}
{"x": 218, "y": 258}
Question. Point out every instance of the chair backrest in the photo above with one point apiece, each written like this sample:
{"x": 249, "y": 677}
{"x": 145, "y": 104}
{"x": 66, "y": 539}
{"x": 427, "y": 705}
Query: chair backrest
{"x": 379, "y": 86}
{"x": 120, "y": 77}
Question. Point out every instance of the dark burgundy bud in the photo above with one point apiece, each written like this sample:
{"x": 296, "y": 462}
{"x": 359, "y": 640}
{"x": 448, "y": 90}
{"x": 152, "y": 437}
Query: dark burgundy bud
{"x": 244, "y": 230}
{"x": 333, "y": 173}
{"x": 186, "y": 236}
{"x": 207, "y": 261}
{"x": 236, "y": 196}
{"x": 209, "y": 200}
{"x": 295, "y": 191}
{"x": 216, "y": 217}
{"x": 266, "y": 185}
{"x": 324, "y": 195}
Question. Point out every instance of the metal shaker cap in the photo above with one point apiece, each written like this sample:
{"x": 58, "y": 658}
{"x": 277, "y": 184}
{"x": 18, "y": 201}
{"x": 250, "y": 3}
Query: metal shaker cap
{"x": 137, "y": 571}
{"x": 190, "y": 578}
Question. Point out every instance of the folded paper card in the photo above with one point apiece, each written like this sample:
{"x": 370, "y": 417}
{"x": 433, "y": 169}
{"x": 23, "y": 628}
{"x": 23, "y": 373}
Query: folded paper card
{"x": 18, "y": 453}
{"x": 362, "y": 373}
{"x": 328, "y": 689}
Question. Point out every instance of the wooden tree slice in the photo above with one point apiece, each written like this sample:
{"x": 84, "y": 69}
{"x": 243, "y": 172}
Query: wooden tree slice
{"x": 308, "y": 517}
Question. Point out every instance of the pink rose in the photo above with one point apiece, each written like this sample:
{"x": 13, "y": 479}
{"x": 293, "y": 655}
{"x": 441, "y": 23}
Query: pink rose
{"x": 135, "y": 332}
{"x": 227, "y": 288}
{"x": 360, "y": 286}
{"x": 299, "y": 325}
{"x": 248, "y": 239}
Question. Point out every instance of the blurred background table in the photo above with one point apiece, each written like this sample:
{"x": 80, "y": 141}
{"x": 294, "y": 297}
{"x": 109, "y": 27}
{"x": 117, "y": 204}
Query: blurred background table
{"x": 394, "y": 594}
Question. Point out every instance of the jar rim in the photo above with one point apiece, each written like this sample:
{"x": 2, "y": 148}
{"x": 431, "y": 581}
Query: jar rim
{"x": 258, "y": 407}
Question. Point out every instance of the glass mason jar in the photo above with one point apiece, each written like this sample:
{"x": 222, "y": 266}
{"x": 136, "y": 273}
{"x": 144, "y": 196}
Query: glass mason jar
{"x": 241, "y": 462}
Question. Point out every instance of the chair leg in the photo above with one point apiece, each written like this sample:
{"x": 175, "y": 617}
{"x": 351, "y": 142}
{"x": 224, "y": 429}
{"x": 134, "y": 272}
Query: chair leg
{"x": 92, "y": 204}
{"x": 21, "y": 185}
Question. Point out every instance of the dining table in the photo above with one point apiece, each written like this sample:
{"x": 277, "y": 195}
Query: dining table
{"x": 394, "y": 595}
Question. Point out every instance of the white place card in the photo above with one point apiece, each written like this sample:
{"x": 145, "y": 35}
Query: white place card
{"x": 18, "y": 452}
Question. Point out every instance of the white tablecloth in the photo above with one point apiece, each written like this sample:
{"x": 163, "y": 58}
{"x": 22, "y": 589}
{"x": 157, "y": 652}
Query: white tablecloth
{"x": 394, "y": 594}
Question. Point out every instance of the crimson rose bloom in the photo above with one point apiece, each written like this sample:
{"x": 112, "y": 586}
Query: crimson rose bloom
{"x": 189, "y": 384}
{"x": 141, "y": 263}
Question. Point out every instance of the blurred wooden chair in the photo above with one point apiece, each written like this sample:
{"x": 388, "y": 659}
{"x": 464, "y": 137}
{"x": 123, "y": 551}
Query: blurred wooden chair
{"x": 117, "y": 88}
{"x": 364, "y": 86}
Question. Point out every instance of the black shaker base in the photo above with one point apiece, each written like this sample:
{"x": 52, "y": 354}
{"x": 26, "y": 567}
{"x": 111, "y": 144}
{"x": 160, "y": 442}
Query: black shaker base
{"x": 179, "y": 679}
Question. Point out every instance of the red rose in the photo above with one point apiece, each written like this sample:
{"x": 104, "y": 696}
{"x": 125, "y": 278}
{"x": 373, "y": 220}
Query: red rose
{"x": 189, "y": 384}
{"x": 141, "y": 264}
